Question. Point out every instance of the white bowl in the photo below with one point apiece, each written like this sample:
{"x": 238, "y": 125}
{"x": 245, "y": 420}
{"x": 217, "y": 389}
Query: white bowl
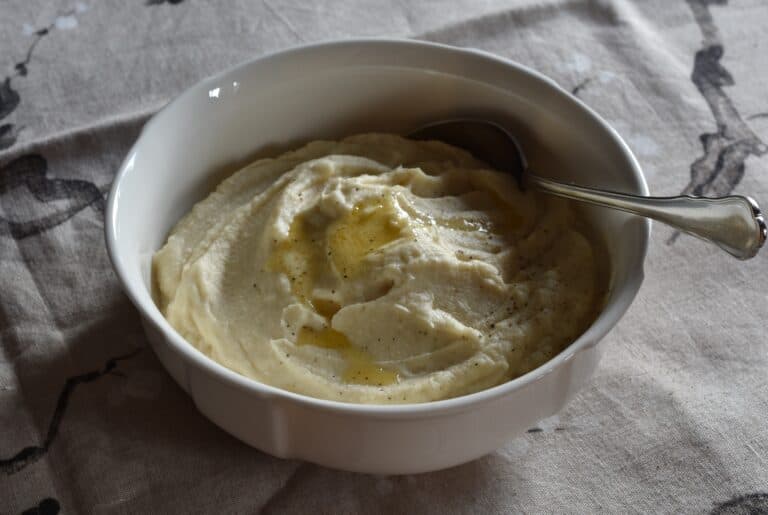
{"x": 332, "y": 90}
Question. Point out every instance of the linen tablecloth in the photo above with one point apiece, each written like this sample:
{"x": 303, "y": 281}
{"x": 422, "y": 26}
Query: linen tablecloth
{"x": 674, "y": 421}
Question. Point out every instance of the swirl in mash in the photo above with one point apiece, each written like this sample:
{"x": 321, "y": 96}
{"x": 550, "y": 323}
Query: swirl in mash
{"x": 377, "y": 270}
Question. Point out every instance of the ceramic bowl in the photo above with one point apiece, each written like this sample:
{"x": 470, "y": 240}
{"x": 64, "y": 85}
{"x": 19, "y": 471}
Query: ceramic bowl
{"x": 331, "y": 90}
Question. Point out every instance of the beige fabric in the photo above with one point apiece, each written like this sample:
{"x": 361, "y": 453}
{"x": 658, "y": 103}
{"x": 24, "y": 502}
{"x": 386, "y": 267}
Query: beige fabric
{"x": 674, "y": 421}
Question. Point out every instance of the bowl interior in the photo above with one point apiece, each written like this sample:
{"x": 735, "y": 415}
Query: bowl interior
{"x": 334, "y": 90}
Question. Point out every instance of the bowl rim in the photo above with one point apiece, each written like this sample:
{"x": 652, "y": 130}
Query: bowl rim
{"x": 606, "y": 320}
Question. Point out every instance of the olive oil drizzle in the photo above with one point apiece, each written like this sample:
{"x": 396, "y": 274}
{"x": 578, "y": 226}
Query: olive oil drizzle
{"x": 370, "y": 225}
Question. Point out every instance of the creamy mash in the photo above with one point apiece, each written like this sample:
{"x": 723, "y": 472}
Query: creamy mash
{"x": 377, "y": 270}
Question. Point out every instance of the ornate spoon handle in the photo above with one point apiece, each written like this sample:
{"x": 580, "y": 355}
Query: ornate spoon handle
{"x": 733, "y": 223}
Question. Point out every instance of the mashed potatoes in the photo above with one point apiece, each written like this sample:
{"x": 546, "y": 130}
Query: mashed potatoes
{"x": 377, "y": 270}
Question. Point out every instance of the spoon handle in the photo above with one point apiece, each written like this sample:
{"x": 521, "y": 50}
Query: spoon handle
{"x": 733, "y": 223}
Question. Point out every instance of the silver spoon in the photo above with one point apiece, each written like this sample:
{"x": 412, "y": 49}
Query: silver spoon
{"x": 733, "y": 223}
